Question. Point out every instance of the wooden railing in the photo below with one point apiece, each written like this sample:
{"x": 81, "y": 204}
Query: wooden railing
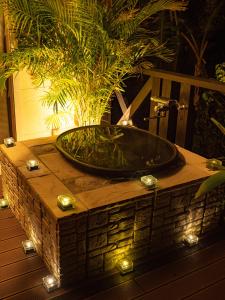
{"x": 160, "y": 84}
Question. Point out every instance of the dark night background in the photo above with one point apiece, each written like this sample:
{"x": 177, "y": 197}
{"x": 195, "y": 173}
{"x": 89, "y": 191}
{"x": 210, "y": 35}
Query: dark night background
{"x": 203, "y": 21}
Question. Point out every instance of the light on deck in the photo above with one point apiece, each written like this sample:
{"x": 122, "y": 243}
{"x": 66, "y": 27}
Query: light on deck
{"x": 4, "y": 203}
{"x": 28, "y": 246}
{"x": 191, "y": 239}
{"x": 125, "y": 266}
{"x": 50, "y": 283}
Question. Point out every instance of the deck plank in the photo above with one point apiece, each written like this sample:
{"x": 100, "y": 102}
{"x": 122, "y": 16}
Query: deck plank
{"x": 13, "y": 256}
{"x": 12, "y": 243}
{"x": 27, "y": 265}
{"x": 124, "y": 291}
{"x": 19, "y": 284}
{"x": 6, "y": 213}
{"x": 8, "y": 223}
{"x": 189, "y": 284}
{"x": 20, "y": 274}
{"x": 176, "y": 269}
{"x": 215, "y": 291}
{"x": 11, "y": 232}
{"x": 39, "y": 293}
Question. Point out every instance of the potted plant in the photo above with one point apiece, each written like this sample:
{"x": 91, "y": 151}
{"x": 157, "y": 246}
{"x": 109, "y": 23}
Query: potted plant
{"x": 83, "y": 48}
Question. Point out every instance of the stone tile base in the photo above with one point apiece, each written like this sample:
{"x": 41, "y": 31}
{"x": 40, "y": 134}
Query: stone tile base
{"x": 111, "y": 220}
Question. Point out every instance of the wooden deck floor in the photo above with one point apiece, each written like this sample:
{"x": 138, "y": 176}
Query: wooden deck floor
{"x": 199, "y": 273}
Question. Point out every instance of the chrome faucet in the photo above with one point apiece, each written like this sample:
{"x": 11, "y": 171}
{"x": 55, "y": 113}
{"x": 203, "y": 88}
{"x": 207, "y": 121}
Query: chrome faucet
{"x": 162, "y": 106}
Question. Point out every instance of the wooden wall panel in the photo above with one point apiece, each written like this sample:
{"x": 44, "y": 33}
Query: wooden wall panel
{"x": 182, "y": 115}
{"x": 166, "y": 91}
{"x": 156, "y": 93}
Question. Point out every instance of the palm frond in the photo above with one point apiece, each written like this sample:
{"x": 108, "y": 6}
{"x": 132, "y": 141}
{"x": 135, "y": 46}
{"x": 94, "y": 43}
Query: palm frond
{"x": 84, "y": 48}
{"x": 211, "y": 183}
{"x": 59, "y": 119}
{"x": 219, "y": 125}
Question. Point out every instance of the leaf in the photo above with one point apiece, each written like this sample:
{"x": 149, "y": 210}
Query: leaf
{"x": 211, "y": 183}
{"x": 219, "y": 125}
{"x": 117, "y": 136}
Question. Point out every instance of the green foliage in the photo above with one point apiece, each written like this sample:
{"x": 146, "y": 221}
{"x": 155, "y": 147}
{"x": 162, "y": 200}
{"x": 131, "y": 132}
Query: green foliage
{"x": 219, "y": 178}
{"x": 219, "y": 125}
{"x": 84, "y": 48}
{"x": 211, "y": 183}
{"x": 220, "y": 72}
{"x": 206, "y": 134}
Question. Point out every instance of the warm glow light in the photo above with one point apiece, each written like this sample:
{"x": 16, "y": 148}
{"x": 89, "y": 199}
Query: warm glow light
{"x": 149, "y": 181}
{"x": 213, "y": 164}
{"x": 125, "y": 266}
{"x": 127, "y": 122}
{"x": 4, "y": 203}
{"x": 28, "y": 246}
{"x": 50, "y": 283}
{"x": 65, "y": 202}
{"x": 32, "y": 165}
{"x": 9, "y": 142}
{"x": 191, "y": 239}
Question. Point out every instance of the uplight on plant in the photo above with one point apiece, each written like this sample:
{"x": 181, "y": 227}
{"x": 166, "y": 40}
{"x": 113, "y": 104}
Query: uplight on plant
{"x": 87, "y": 57}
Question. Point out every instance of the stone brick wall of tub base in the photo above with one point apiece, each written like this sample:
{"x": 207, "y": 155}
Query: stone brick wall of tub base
{"x": 110, "y": 221}
{"x": 144, "y": 226}
{"x": 38, "y": 224}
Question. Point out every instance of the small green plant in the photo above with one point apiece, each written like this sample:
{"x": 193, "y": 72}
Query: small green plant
{"x": 83, "y": 48}
{"x": 219, "y": 178}
{"x": 220, "y": 72}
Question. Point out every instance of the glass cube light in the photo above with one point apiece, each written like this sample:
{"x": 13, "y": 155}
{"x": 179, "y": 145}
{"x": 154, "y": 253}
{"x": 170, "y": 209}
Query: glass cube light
{"x": 50, "y": 283}
{"x": 28, "y": 246}
{"x": 32, "y": 164}
{"x": 9, "y": 142}
{"x": 128, "y": 122}
{"x": 213, "y": 164}
{"x": 4, "y": 203}
{"x": 125, "y": 265}
{"x": 65, "y": 202}
{"x": 191, "y": 239}
{"x": 149, "y": 181}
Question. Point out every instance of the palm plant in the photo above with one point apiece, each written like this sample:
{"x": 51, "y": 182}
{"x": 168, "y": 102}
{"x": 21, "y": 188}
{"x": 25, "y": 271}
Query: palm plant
{"x": 83, "y": 48}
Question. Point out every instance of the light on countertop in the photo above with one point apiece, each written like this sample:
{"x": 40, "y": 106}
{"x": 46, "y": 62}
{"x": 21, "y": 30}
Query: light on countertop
{"x": 32, "y": 164}
{"x": 50, "y": 283}
{"x": 149, "y": 181}
{"x": 9, "y": 142}
{"x": 128, "y": 122}
{"x": 214, "y": 164}
{"x": 65, "y": 202}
